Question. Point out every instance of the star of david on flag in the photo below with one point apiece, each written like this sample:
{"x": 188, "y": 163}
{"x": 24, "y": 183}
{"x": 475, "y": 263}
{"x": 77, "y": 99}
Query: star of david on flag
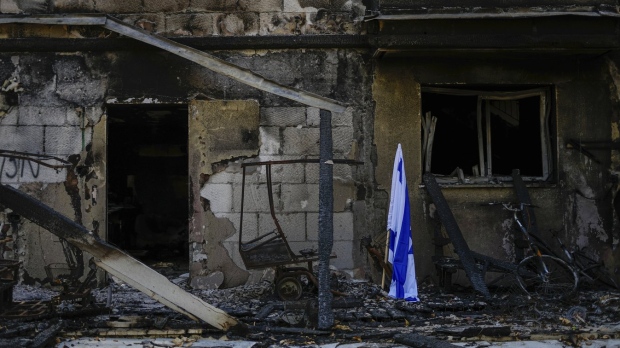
{"x": 400, "y": 252}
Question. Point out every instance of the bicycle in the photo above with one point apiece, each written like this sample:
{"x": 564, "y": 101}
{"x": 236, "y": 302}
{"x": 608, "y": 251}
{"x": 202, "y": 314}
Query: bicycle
{"x": 543, "y": 274}
{"x": 591, "y": 270}
{"x": 588, "y": 269}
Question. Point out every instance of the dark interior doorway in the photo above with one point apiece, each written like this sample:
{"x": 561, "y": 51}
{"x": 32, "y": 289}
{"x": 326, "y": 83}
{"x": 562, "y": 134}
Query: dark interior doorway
{"x": 147, "y": 181}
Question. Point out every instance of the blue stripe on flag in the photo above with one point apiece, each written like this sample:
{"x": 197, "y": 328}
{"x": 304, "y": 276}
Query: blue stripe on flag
{"x": 404, "y": 285}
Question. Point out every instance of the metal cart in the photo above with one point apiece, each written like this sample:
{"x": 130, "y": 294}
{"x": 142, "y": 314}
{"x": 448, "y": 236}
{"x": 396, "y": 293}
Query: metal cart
{"x": 272, "y": 248}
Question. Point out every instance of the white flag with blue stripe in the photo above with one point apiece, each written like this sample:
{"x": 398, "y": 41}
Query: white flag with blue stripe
{"x": 400, "y": 254}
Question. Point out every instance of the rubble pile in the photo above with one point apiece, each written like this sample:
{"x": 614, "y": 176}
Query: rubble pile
{"x": 362, "y": 311}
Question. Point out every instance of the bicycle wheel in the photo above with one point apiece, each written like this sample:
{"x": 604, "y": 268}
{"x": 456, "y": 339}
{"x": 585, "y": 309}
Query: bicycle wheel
{"x": 559, "y": 282}
{"x": 594, "y": 271}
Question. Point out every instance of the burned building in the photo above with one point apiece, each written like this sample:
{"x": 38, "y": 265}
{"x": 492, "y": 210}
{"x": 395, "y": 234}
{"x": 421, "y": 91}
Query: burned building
{"x": 145, "y": 147}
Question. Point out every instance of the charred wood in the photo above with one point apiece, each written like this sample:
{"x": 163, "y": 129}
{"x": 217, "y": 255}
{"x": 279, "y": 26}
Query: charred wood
{"x": 472, "y": 331}
{"x": 420, "y": 341}
{"x": 18, "y": 330}
{"x": 45, "y": 337}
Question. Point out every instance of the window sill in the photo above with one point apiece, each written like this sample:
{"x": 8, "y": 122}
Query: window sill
{"x": 458, "y": 185}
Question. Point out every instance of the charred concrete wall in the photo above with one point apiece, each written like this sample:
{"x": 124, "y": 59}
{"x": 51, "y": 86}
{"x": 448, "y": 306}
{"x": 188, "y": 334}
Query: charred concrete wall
{"x": 577, "y": 197}
{"x": 57, "y": 99}
{"x": 60, "y": 110}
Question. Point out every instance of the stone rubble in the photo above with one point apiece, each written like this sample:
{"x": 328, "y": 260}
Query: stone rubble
{"x": 364, "y": 315}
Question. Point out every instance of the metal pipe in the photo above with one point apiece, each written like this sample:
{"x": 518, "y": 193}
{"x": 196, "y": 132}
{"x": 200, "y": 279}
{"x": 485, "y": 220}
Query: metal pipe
{"x": 326, "y": 219}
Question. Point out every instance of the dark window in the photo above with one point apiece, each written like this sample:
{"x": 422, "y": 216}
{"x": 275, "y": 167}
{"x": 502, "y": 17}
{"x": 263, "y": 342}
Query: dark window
{"x": 476, "y": 136}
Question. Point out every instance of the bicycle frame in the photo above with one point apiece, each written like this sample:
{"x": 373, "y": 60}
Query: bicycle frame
{"x": 531, "y": 243}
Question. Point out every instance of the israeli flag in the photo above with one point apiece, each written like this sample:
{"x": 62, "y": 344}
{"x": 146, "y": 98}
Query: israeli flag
{"x": 400, "y": 253}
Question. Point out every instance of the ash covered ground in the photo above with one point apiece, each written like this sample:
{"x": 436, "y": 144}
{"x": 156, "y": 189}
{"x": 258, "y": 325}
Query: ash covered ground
{"x": 362, "y": 311}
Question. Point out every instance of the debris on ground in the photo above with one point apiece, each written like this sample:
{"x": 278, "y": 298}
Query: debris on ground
{"x": 363, "y": 314}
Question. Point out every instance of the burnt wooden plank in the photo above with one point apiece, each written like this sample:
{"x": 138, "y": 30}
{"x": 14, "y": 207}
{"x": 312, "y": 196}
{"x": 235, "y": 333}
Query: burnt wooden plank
{"x": 115, "y": 261}
{"x": 420, "y": 341}
{"x": 454, "y": 232}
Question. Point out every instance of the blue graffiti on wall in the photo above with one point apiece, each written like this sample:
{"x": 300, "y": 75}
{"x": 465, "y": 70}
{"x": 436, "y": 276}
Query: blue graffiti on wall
{"x": 12, "y": 168}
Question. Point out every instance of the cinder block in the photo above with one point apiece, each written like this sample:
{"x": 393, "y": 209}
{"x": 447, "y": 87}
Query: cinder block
{"x": 37, "y": 115}
{"x": 312, "y": 227}
{"x": 126, "y": 6}
{"x": 24, "y": 138}
{"x": 344, "y": 254}
{"x": 301, "y": 141}
{"x": 256, "y": 197}
{"x": 178, "y": 25}
{"x": 165, "y": 5}
{"x": 278, "y": 23}
{"x": 283, "y": 116}
{"x": 342, "y": 139}
{"x": 64, "y": 140}
{"x": 201, "y": 24}
{"x": 151, "y": 22}
{"x": 231, "y": 175}
{"x": 237, "y": 5}
{"x": 215, "y": 5}
{"x": 344, "y": 195}
{"x": 75, "y": 117}
{"x": 343, "y": 226}
{"x": 289, "y": 173}
{"x": 270, "y": 140}
{"x": 341, "y": 172}
{"x": 343, "y": 118}
{"x": 236, "y": 24}
{"x": 33, "y": 172}
{"x": 293, "y": 225}
{"x": 261, "y": 6}
{"x": 313, "y": 116}
{"x": 300, "y": 197}
{"x": 220, "y": 197}
{"x": 295, "y": 6}
{"x": 79, "y": 6}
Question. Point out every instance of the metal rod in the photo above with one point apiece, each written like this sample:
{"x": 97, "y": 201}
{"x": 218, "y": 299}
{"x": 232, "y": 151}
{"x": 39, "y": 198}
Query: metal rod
{"x": 326, "y": 220}
{"x": 303, "y": 160}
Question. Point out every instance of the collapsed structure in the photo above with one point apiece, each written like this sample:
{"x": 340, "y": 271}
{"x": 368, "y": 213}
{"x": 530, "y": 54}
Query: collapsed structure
{"x": 155, "y": 142}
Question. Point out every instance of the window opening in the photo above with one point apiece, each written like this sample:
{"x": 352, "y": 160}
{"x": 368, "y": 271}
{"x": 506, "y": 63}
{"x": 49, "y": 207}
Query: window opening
{"x": 480, "y": 136}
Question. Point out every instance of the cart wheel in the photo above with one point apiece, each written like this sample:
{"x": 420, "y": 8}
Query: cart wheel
{"x": 289, "y": 288}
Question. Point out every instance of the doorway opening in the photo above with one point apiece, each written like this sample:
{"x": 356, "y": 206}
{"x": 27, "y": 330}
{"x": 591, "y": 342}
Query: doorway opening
{"x": 148, "y": 205}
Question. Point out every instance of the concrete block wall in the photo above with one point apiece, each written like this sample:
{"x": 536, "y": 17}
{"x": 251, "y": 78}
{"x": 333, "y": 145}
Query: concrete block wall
{"x": 53, "y": 131}
{"x": 201, "y": 17}
{"x": 58, "y": 107}
{"x": 56, "y": 85}
{"x": 288, "y": 133}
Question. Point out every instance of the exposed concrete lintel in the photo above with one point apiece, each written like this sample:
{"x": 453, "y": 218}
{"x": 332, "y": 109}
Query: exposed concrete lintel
{"x": 210, "y": 62}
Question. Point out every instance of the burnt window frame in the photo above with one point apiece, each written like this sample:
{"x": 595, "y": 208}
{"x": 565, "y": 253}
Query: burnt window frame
{"x": 483, "y": 124}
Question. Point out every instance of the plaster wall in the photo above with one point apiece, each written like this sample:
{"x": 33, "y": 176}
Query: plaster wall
{"x": 61, "y": 112}
{"x": 575, "y": 199}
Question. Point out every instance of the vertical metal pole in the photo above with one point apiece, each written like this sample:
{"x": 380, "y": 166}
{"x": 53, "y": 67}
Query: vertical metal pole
{"x": 326, "y": 219}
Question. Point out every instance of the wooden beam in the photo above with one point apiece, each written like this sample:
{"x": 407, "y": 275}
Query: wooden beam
{"x": 115, "y": 261}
